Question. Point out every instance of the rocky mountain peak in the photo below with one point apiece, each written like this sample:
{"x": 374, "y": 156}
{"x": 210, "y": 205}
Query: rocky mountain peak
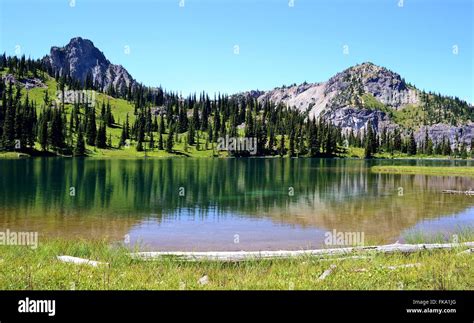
{"x": 367, "y": 78}
{"x": 81, "y": 59}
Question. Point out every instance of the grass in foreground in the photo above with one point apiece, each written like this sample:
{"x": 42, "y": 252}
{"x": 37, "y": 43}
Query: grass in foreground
{"x": 24, "y": 268}
{"x": 426, "y": 170}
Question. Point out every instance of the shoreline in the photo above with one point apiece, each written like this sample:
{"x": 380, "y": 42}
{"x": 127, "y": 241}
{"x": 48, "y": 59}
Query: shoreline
{"x": 96, "y": 265}
{"x": 21, "y": 155}
{"x": 425, "y": 170}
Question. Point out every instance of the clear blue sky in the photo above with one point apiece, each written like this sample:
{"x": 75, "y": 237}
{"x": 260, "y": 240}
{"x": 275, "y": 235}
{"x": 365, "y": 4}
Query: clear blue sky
{"x": 191, "y": 48}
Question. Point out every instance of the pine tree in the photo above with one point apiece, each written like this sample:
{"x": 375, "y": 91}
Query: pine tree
{"x": 160, "y": 142}
{"x": 191, "y": 134}
{"x": 411, "y": 145}
{"x": 292, "y": 144}
{"x": 472, "y": 147}
{"x": 463, "y": 151}
{"x": 56, "y": 130}
{"x": 91, "y": 128}
{"x": 8, "y": 138}
{"x": 397, "y": 140}
{"x": 46, "y": 98}
{"x": 43, "y": 132}
{"x": 281, "y": 148}
{"x": 139, "y": 146}
{"x": 101, "y": 137}
{"x": 103, "y": 112}
{"x": 370, "y": 142}
{"x": 80, "y": 148}
{"x": 127, "y": 127}
{"x": 151, "y": 144}
{"x": 162, "y": 125}
{"x": 109, "y": 116}
{"x": 169, "y": 142}
{"x": 313, "y": 141}
{"x": 123, "y": 136}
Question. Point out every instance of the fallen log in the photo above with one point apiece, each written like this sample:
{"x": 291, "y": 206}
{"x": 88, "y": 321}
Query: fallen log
{"x": 466, "y": 252}
{"x": 80, "y": 261}
{"x": 249, "y": 255}
{"x": 344, "y": 258}
{"x": 327, "y": 272}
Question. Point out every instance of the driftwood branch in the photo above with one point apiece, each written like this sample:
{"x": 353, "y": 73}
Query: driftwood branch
{"x": 80, "y": 261}
{"x": 249, "y": 255}
{"x": 327, "y": 272}
{"x": 466, "y": 252}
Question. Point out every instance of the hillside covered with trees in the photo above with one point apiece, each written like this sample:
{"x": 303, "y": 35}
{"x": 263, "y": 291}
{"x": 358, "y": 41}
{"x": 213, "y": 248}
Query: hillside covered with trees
{"x": 35, "y": 118}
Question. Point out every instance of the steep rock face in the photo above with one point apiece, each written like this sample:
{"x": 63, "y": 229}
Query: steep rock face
{"x": 341, "y": 98}
{"x": 384, "y": 85}
{"x": 305, "y": 97}
{"x": 80, "y": 58}
{"x": 456, "y": 135}
{"x": 361, "y": 95}
{"x": 345, "y": 89}
{"x": 348, "y": 119}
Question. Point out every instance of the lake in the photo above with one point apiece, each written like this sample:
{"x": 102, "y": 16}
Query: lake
{"x": 228, "y": 204}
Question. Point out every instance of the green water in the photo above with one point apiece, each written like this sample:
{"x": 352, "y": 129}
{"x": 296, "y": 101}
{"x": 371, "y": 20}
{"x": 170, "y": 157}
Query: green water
{"x": 226, "y": 204}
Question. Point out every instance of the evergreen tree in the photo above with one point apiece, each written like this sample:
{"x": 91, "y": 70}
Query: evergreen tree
{"x": 292, "y": 144}
{"x": 91, "y": 128}
{"x": 56, "y": 130}
{"x": 160, "y": 142}
{"x": 109, "y": 116}
{"x": 411, "y": 145}
{"x": 191, "y": 134}
{"x": 8, "y": 138}
{"x": 370, "y": 142}
{"x": 123, "y": 136}
{"x": 472, "y": 146}
{"x": 397, "y": 140}
{"x": 169, "y": 142}
{"x": 139, "y": 146}
{"x": 101, "y": 137}
{"x": 313, "y": 140}
{"x": 80, "y": 148}
{"x": 281, "y": 148}
{"x": 43, "y": 132}
{"x": 151, "y": 144}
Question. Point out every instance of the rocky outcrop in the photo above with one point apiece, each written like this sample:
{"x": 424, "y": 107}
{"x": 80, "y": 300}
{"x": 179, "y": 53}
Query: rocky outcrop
{"x": 344, "y": 90}
{"x": 456, "y": 135}
{"x": 27, "y": 83}
{"x": 361, "y": 95}
{"x": 384, "y": 85}
{"x": 350, "y": 119}
{"x": 81, "y": 59}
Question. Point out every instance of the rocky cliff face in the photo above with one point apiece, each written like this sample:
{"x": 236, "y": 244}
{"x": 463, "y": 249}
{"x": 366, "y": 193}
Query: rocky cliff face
{"x": 346, "y": 90}
{"x": 455, "y": 134}
{"x": 80, "y": 58}
{"x": 362, "y": 94}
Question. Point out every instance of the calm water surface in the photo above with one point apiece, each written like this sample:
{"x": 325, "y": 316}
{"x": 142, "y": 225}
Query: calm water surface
{"x": 227, "y": 204}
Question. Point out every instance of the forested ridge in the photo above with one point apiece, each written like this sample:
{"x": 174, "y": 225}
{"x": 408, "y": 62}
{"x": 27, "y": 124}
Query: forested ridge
{"x": 152, "y": 120}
